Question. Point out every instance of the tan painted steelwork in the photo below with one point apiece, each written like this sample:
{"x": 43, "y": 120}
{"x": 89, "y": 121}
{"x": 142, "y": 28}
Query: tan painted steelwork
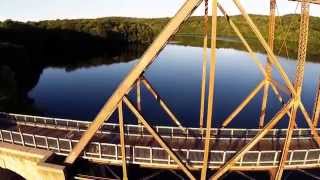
{"x": 122, "y": 142}
{"x": 135, "y": 77}
{"x": 213, "y": 54}
{"x": 254, "y": 141}
{"x": 139, "y": 96}
{"x": 158, "y": 138}
{"x": 204, "y": 65}
{"x": 302, "y": 54}
{"x": 316, "y": 109}
{"x": 147, "y": 58}
{"x": 257, "y": 62}
{"x": 295, "y": 101}
{"x": 272, "y": 25}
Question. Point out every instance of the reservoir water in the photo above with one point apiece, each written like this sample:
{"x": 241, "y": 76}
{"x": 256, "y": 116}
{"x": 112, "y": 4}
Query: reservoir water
{"x": 79, "y": 91}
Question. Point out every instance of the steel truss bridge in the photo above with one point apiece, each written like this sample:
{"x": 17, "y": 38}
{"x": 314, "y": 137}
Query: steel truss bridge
{"x": 204, "y": 148}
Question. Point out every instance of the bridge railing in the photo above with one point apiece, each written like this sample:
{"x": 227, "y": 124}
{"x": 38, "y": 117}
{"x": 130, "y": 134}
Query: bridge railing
{"x": 157, "y": 155}
{"x": 137, "y": 130}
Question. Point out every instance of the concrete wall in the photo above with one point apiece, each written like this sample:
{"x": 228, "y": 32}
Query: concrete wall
{"x": 29, "y": 163}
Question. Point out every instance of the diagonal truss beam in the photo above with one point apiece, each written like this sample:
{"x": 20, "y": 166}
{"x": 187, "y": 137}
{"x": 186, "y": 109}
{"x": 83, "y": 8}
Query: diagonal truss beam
{"x": 256, "y": 61}
{"x": 162, "y": 103}
{"x": 254, "y": 141}
{"x": 273, "y": 59}
{"x": 295, "y": 100}
{"x": 147, "y": 58}
{"x": 244, "y": 103}
{"x": 158, "y": 138}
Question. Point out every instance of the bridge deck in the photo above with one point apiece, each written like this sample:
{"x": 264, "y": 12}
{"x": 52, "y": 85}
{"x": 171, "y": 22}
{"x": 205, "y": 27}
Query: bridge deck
{"x": 61, "y": 135}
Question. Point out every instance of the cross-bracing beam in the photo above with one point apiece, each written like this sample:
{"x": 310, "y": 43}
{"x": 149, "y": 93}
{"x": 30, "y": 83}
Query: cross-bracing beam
{"x": 277, "y": 65}
{"x": 158, "y": 138}
{"x": 255, "y": 59}
{"x": 147, "y": 58}
{"x": 254, "y": 141}
{"x": 280, "y": 114}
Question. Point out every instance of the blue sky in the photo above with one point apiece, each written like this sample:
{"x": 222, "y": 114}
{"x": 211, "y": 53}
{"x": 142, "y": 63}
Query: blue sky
{"x": 24, "y": 10}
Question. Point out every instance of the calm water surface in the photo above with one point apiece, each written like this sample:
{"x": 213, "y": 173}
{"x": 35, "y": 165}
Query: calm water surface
{"x": 176, "y": 75}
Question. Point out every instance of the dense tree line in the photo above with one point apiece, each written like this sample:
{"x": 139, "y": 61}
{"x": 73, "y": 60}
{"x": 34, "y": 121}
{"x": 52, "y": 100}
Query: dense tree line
{"x": 96, "y": 35}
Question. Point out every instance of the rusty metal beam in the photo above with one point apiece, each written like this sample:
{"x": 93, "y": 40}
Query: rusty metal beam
{"x": 162, "y": 103}
{"x": 158, "y": 138}
{"x": 314, "y": 131}
{"x": 210, "y": 90}
{"x": 272, "y": 25}
{"x": 138, "y": 84}
{"x": 316, "y": 109}
{"x": 254, "y": 141}
{"x": 122, "y": 142}
{"x": 139, "y": 94}
{"x": 147, "y": 58}
{"x": 287, "y": 142}
{"x": 244, "y": 103}
{"x": 302, "y": 55}
{"x": 273, "y": 59}
{"x": 252, "y": 54}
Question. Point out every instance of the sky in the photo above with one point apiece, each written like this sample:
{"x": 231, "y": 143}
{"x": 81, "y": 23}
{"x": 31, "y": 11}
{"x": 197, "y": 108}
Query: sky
{"x": 35, "y": 10}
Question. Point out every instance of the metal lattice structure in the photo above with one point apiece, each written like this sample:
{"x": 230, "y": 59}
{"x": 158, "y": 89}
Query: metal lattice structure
{"x": 280, "y": 160}
{"x": 289, "y": 108}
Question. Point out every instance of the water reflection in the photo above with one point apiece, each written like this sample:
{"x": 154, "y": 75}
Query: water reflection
{"x": 21, "y": 70}
{"x": 78, "y": 89}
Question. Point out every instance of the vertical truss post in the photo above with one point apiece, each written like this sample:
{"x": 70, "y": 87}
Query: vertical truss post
{"x": 302, "y": 54}
{"x": 158, "y": 138}
{"x": 204, "y": 66}
{"x": 139, "y": 94}
{"x": 316, "y": 110}
{"x": 122, "y": 142}
{"x": 211, "y": 90}
{"x": 139, "y": 97}
{"x": 147, "y": 58}
{"x": 272, "y": 22}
